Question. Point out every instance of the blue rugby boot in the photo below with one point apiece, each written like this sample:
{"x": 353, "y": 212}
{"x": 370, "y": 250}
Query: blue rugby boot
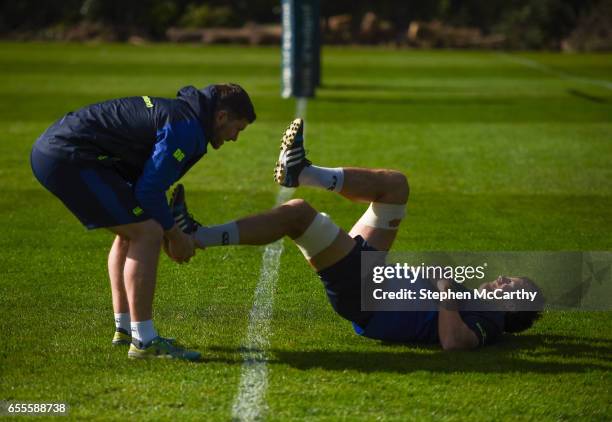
{"x": 292, "y": 158}
{"x": 123, "y": 338}
{"x": 161, "y": 347}
{"x": 178, "y": 207}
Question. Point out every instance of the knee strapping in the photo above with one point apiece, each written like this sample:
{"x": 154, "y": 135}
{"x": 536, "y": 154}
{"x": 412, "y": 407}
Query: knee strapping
{"x": 319, "y": 235}
{"x": 383, "y": 216}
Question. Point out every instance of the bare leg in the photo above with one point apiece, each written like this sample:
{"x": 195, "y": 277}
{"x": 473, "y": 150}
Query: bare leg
{"x": 116, "y": 264}
{"x": 140, "y": 270}
{"x": 291, "y": 219}
{"x": 380, "y": 186}
{"x": 294, "y": 218}
{"x": 375, "y": 185}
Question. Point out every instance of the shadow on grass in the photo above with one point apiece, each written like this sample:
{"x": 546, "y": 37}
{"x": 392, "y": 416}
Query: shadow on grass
{"x": 457, "y": 102}
{"x": 533, "y": 353}
{"x": 369, "y": 87}
{"x": 588, "y": 97}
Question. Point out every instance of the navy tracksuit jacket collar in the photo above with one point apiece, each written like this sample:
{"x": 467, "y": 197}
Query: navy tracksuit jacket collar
{"x": 203, "y": 103}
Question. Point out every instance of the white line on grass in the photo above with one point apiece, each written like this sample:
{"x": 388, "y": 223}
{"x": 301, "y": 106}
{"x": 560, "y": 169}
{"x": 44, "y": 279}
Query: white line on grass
{"x": 300, "y": 107}
{"x": 558, "y": 73}
{"x": 249, "y": 403}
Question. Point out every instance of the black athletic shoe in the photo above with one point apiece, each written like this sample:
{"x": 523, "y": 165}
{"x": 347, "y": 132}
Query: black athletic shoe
{"x": 181, "y": 215}
{"x": 292, "y": 158}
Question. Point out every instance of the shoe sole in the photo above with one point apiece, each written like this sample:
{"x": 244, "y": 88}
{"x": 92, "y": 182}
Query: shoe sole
{"x": 166, "y": 356}
{"x": 139, "y": 356}
{"x": 280, "y": 171}
{"x": 170, "y": 340}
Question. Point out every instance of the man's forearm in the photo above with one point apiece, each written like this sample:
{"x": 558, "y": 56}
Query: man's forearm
{"x": 453, "y": 333}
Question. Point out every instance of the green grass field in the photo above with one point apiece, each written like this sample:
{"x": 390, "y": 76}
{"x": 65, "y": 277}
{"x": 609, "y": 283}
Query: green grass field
{"x": 500, "y": 155}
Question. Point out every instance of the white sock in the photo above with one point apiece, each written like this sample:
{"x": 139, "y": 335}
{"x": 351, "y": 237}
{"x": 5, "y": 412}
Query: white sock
{"x": 322, "y": 177}
{"x": 221, "y": 235}
{"x": 143, "y": 331}
{"x": 123, "y": 321}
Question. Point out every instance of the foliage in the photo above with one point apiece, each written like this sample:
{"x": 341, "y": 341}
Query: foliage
{"x": 203, "y": 16}
{"x": 540, "y": 23}
{"x": 593, "y": 32}
{"x": 525, "y": 23}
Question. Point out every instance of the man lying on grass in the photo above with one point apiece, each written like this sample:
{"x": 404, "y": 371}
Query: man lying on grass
{"x": 336, "y": 255}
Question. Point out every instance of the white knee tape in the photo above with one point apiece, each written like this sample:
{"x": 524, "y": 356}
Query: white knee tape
{"x": 318, "y": 236}
{"x": 383, "y": 216}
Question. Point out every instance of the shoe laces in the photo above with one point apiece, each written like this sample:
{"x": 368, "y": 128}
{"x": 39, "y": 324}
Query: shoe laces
{"x": 189, "y": 220}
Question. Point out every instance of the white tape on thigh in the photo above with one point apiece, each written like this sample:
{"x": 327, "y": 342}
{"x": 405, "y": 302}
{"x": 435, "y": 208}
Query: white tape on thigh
{"x": 383, "y": 216}
{"x": 318, "y": 236}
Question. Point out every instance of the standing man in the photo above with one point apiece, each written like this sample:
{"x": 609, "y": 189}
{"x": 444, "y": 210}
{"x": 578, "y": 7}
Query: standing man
{"x": 111, "y": 164}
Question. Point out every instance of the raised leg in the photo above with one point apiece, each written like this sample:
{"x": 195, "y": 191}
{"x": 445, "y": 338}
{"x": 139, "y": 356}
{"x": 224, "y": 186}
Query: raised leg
{"x": 289, "y": 219}
{"x": 377, "y": 186}
{"x": 320, "y": 240}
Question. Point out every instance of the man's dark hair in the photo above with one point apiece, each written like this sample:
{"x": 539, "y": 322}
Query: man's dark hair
{"x": 235, "y": 100}
{"x": 519, "y": 320}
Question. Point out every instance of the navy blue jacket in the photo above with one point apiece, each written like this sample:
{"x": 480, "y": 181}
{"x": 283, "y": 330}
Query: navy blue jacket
{"x": 151, "y": 142}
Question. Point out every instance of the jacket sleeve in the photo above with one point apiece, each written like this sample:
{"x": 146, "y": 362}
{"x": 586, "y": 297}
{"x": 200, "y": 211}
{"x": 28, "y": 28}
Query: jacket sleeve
{"x": 176, "y": 144}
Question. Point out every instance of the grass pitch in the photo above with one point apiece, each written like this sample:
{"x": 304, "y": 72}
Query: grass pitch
{"x": 500, "y": 155}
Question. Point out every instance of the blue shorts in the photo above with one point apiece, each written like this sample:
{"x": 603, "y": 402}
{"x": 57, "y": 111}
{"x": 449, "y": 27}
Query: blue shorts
{"x": 343, "y": 284}
{"x": 94, "y": 192}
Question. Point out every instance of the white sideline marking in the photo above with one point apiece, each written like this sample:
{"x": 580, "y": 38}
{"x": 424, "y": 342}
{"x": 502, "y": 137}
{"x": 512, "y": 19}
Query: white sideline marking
{"x": 249, "y": 403}
{"x": 300, "y": 108}
{"x": 558, "y": 73}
